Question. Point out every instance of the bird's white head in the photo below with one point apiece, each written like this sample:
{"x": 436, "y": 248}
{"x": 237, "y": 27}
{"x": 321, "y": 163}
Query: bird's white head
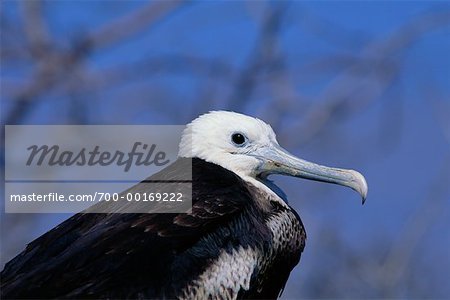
{"x": 248, "y": 147}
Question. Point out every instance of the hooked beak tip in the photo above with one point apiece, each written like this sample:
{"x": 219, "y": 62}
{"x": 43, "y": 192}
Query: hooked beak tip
{"x": 360, "y": 185}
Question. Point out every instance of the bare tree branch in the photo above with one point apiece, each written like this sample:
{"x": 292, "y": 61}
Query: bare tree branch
{"x": 363, "y": 82}
{"x": 398, "y": 261}
{"x": 261, "y": 57}
{"x": 132, "y": 23}
{"x": 53, "y": 68}
{"x": 35, "y": 27}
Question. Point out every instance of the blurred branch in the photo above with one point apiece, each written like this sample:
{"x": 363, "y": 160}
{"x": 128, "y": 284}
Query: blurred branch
{"x": 175, "y": 63}
{"x": 411, "y": 32}
{"x": 38, "y": 41}
{"x": 441, "y": 109}
{"x": 54, "y": 66}
{"x": 330, "y": 31}
{"x": 35, "y": 27}
{"x": 400, "y": 256}
{"x": 362, "y": 83}
{"x": 132, "y": 23}
{"x": 368, "y": 270}
{"x": 260, "y": 57}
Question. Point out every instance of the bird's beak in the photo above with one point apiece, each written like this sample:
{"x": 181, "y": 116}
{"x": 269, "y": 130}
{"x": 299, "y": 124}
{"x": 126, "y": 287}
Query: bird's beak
{"x": 276, "y": 160}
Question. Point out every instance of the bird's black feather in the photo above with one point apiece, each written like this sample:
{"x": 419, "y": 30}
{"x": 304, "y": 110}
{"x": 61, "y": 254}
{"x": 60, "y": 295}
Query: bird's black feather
{"x": 150, "y": 255}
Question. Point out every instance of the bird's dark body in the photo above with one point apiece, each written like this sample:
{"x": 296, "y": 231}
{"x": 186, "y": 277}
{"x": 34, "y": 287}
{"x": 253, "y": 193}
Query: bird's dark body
{"x": 237, "y": 242}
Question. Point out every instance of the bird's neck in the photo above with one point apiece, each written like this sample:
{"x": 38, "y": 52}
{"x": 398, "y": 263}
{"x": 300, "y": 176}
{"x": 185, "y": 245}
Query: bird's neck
{"x": 269, "y": 187}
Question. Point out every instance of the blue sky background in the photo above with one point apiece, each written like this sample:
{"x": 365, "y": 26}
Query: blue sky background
{"x": 399, "y": 139}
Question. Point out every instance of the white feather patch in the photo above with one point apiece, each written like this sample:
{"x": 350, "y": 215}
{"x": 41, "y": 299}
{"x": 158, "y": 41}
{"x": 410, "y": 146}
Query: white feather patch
{"x": 225, "y": 277}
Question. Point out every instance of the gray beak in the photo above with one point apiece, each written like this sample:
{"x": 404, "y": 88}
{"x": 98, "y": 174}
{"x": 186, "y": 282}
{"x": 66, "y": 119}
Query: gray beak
{"x": 276, "y": 160}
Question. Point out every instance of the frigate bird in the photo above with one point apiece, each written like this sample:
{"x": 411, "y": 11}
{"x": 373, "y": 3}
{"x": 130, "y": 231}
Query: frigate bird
{"x": 239, "y": 240}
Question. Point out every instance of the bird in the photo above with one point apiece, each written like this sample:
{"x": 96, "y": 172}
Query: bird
{"x": 239, "y": 240}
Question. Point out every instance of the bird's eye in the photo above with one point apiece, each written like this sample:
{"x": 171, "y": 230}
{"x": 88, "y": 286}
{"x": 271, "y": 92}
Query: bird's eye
{"x": 238, "y": 138}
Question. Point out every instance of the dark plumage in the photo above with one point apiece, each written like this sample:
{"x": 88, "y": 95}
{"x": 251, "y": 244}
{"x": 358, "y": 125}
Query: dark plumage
{"x": 230, "y": 234}
{"x": 239, "y": 240}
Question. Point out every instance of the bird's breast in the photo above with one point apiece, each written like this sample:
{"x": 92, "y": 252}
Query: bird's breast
{"x": 281, "y": 256}
{"x": 288, "y": 233}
